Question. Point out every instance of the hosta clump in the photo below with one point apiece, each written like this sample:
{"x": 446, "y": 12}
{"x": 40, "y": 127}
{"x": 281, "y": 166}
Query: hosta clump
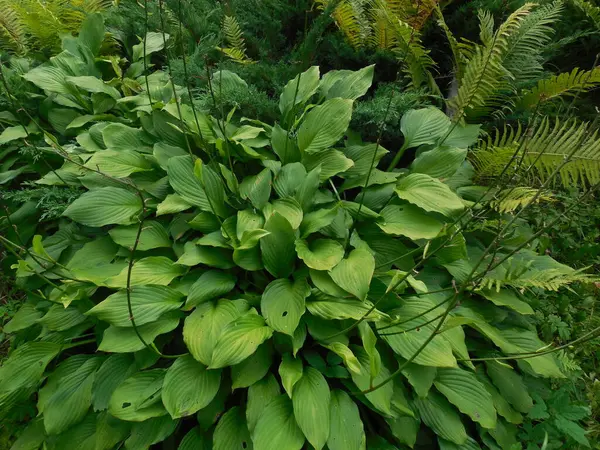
{"x": 252, "y": 285}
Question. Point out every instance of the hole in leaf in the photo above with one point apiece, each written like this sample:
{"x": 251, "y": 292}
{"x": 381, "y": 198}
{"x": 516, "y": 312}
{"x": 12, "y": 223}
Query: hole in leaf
{"x": 126, "y": 405}
{"x": 244, "y": 445}
{"x": 285, "y": 313}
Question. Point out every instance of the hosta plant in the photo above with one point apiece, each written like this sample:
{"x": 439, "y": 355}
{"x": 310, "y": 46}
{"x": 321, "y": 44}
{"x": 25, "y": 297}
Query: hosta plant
{"x": 250, "y": 285}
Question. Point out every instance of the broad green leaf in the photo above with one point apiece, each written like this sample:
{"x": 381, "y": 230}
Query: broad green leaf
{"x": 105, "y": 206}
{"x": 463, "y": 390}
{"x": 12, "y": 133}
{"x": 94, "y": 85}
{"x": 125, "y": 339}
{"x": 151, "y": 43}
{"x": 346, "y": 428}
{"x": 71, "y": 401}
{"x": 423, "y": 126}
{"x": 317, "y": 220}
{"x": 288, "y": 179}
{"x": 325, "y": 284}
{"x": 92, "y": 32}
{"x": 284, "y": 145}
{"x": 59, "y": 318}
{"x": 138, "y": 398}
{"x": 150, "y": 432}
{"x": 253, "y": 368}
{"x": 288, "y": 208}
{"x": 380, "y": 398}
{"x": 441, "y": 162}
{"x": 195, "y": 440}
{"x": 64, "y": 369}
{"x": 173, "y": 203}
{"x": 239, "y": 339}
{"x": 332, "y": 308}
{"x": 471, "y": 444}
{"x": 283, "y": 304}
{"x": 189, "y": 387}
{"x": 248, "y": 220}
{"x": 153, "y": 236}
{"x": 158, "y": 270}
{"x": 148, "y": 303}
{"x": 290, "y": 371}
{"x": 26, "y": 316}
{"x": 347, "y": 83}
{"x": 248, "y": 259}
{"x": 357, "y": 211}
{"x": 311, "y": 406}
{"x": 260, "y": 395}
{"x": 276, "y": 428}
{"x": 299, "y": 90}
{"x": 278, "y": 250}
{"x": 369, "y": 341}
{"x": 500, "y": 403}
{"x": 185, "y": 183}
{"x": 96, "y": 431}
{"x": 429, "y": 194}
{"x": 32, "y": 437}
{"x": 410, "y": 221}
{"x": 405, "y": 429}
{"x": 204, "y": 326}
{"x": 306, "y": 191}
{"x": 346, "y": 354}
{"x": 119, "y": 137}
{"x": 421, "y": 378}
{"x": 209, "y": 285}
{"x": 49, "y": 78}
{"x": 232, "y": 431}
{"x": 442, "y": 418}
{"x": 193, "y": 255}
{"x": 113, "y": 371}
{"x": 257, "y": 188}
{"x": 353, "y": 274}
{"x": 511, "y": 386}
{"x": 204, "y": 222}
{"x": 332, "y": 162}
{"x": 324, "y": 125}
{"x": 321, "y": 254}
{"x": 508, "y": 298}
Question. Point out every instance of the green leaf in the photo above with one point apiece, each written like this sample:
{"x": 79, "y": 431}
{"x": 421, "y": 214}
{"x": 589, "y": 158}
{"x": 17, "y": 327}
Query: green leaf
{"x": 508, "y": 298}
{"x": 346, "y": 354}
{"x": 572, "y": 429}
{"x": 290, "y": 371}
{"x": 276, "y": 428}
{"x": 289, "y": 178}
{"x": 421, "y": 378}
{"x": 278, "y": 250}
{"x": 32, "y": 437}
{"x": 347, "y": 83}
{"x": 441, "y": 162}
{"x": 138, "y": 398}
{"x": 93, "y": 85}
{"x": 321, "y": 254}
{"x": 239, "y": 339}
{"x": 299, "y": 90}
{"x": 71, "y": 401}
{"x": 92, "y": 32}
{"x": 189, "y": 387}
{"x": 324, "y": 125}
{"x": 511, "y": 386}
{"x": 12, "y": 133}
{"x": 260, "y": 395}
{"x": 346, "y": 428}
{"x": 113, "y": 371}
{"x": 442, "y": 418}
{"x": 49, "y": 78}
{"x": 332, "y": 162}
{"x": 59, "y": 318}
{"x": 405, "y": 429}
{"x": 332, "y": 308}
{"x": 380, "y": 398}
{"x": 311, "y": 406}
{"x": 257, "y": 188}
{"x": 195, "y": 440}
{"x": 464, "y": 391}
{"x": 353, "y": 274}
{"x": 410, "y": 221}
{"x": 317, "y": 220}
{"x": 26, "y": 316}
{"x": 173, "y": 203}
{"x": 150, "y": 432}
{"x": 125, "y": 339}
{"x": 213, "y": 257}
{"x": 151, "y": 43}
{"x": 362, "y": 155}
{"x": 105, "y": 206}
{"x": 429, "y": 194}
{"x": 209, "y": 285}
{"x": 148, "y": 303}
{"x": 158, "y": 270}
{"x": 369, "y": 341}
{"x": 423, "y": 126}
{"x": 283, "y": 304}
{"x": 185, "y": 183}
{"x": 119, "y": 137}
{"x": 284, "y": 145}
{"x": 204, "y": 326}
{"x": 306, "y": 191}
{"x": 153, "y": 236}
{"x": 289, "y": 208}
{"x": 232, "y": 432}
{"x": 253, "y": 368}
{"x": 500, "y": 403}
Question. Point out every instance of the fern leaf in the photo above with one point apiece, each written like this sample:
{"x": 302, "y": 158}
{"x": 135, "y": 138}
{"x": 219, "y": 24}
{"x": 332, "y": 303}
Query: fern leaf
{"x": 458, "y": 58}
{"x": 13, "y": 35}
{"x": 543, "y": 151}
{"x": 593, "y": 12}
{"x": 509, "y": 200}
{"x": 567, "y": 83}
{"x": 234, "y": 37}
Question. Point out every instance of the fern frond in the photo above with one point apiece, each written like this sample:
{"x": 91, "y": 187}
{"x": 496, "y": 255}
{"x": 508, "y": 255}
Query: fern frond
{"x": 543, "y": 152}
{"x": 509, "y": 200}
{"x": 13, "y": 35}
{"x": 234, "y": 37}
{"x": 593, "y": 12}
{"x": 523, "y": 57}
{"x": 568, "y": 83}
{"x": 458, "y": 58}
